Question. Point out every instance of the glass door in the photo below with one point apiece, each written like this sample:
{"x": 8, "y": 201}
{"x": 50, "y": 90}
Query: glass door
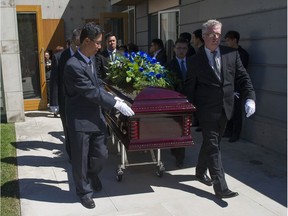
{"x": 116, "y": 23}
{"x": 32, "y": 57}
{"x": 168, "y": 29}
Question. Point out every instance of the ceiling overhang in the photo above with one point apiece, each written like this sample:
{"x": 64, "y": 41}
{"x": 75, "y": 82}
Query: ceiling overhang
{"x": 124, "y": 2}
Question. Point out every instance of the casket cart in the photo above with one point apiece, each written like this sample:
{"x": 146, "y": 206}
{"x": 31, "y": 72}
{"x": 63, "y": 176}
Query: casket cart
{"x": 162, "y": 119}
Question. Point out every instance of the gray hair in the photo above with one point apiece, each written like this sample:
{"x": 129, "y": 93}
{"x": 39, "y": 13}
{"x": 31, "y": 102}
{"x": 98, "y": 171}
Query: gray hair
{"x": 209, "y": 24}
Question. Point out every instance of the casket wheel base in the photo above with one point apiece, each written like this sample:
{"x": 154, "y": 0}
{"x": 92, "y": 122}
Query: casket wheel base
{"x": 119, "y": 174}
{"x": 160, "y": 170}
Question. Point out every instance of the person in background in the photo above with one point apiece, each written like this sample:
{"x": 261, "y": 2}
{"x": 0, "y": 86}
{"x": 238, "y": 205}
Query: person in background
{"x": 197, "y": 42}
{"x": 85, "y": 101}
{"x": 65, "y": 55}
{"x": 210, "y": 88}
{"x": 47, "y": 60}
{"x": 54, "y": 106}
{"x": 122, "y": 49}
{"x": 158, "y": 52}
{"x": 111, "y": 47}
{"x": 234, "y": 125}
{"x": 131, "y": 47}
{"x": 179, "y": 65}
{"x": 197, "y": 39}
{"x": 187, "y": 36}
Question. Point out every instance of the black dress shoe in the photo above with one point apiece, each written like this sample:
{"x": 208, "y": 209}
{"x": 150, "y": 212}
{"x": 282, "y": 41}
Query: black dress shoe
{"x": 204, "y": 178}
{"x": 88, "y": 202}
{"x": 96, "y": 183}
{"x": 227, "y": 194}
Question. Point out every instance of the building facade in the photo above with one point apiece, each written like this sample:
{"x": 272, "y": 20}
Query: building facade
{"x": 261, "y": 23}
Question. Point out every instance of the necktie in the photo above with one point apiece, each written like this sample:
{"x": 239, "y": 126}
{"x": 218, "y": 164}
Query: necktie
{"x": 91, "y": 66}
{"x": 216, "y": 66}
{"x": 112, "y": 56}
{"x": 183, "y": 69}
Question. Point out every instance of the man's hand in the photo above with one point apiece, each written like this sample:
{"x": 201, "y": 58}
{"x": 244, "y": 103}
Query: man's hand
{"x": 123, "y": 108}
{"x": 250, "y": 107}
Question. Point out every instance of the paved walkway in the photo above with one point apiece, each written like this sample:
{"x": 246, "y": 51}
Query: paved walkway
{"x": 46, "y": 185}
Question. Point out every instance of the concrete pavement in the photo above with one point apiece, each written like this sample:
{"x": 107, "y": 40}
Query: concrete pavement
{"x": 47, "y": 189}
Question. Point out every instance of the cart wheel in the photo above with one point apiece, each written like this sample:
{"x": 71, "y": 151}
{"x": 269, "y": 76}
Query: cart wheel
{"x": 160, "y": 170}
{"x": 119, "y": 174}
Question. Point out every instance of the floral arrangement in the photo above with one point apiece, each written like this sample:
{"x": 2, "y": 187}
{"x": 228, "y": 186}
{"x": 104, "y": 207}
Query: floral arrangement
{"x": 135, "y": 71}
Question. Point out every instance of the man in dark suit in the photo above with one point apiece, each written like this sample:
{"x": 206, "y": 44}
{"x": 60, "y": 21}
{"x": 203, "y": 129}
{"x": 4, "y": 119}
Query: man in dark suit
{"x": 108, "y": 54}
{"x": 66, "y": 54}
{"x": 158, "y": 51}
{"x": 210, "y": 87}
{"x": 85, "y": 100}
{"x": 54, "y": 106}
{"x": 179, "y": 65}
{"x": 234, "y": 125}
{"x": 187, "y": 36}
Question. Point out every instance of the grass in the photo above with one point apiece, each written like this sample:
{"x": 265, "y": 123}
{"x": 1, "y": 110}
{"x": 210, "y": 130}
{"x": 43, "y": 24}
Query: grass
{"x": 10, "y": 204}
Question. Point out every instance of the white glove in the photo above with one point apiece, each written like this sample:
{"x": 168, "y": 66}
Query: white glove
{"x": 54, "y": 109}
{"x": 124, "y": 108}
{"x": 118, "y": 99}
{"x": 250, "y": 107}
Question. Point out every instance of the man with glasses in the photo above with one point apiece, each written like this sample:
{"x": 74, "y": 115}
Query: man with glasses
{"x": 210, "y": 87}
{"x": 85, "y": 101}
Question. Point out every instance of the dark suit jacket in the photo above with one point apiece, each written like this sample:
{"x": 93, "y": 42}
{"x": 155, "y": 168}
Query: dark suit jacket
{"x": 208, "y": 93}
{"x": 54, "y": 79}
{"x": 104, "y": 61}
{"x": 161, "y": 57}
{"x": 84, "y": 97}
{"x": 174, "y": 67}
{"x": 66, "y": 54}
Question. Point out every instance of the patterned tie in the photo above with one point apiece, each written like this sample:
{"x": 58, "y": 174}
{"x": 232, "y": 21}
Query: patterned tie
{"x": 183, "y": 69}
{"x": 216, "y": 65}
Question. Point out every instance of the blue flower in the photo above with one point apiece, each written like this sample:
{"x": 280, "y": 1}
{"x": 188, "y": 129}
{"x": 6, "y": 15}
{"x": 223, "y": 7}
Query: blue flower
{"x": 141, "y": 69}
{"x": 153, "y": 61}
{"x": 151, "y": 74}
{"x": 158, "y": 76}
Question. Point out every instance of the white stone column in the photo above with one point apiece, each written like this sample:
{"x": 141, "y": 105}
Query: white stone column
{"x": 11, "y": 79}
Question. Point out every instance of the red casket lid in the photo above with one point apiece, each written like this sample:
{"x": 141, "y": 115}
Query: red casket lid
{"x": 156, "y": 99}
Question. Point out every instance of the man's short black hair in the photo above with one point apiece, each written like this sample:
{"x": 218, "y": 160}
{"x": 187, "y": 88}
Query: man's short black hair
{"x": 108, "y": 35}
{"x": 233, "y": 35}
{"x": 159, "y": 42}
{"x": 186, "y": 35}
{"x": 198, "y": 34}
{"x": 90, "y": 30}
{"x": 181, "y": 40}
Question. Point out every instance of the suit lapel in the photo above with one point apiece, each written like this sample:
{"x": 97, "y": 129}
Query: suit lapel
{"x": 205, "y": 62}
{"x": 86, "y": 67}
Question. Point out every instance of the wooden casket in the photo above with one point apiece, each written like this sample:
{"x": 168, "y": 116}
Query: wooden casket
{"x": 162, "y": 119}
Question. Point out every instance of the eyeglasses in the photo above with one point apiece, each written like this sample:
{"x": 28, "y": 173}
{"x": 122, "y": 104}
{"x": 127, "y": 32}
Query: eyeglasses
{"x": 212, "y": 35}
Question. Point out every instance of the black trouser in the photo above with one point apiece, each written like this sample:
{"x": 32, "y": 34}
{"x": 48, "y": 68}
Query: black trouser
{"x": 210, "y": 155}
{"x": 234, "y": 125}
{"x": 65, "y": 129}
{"x": 89, "y": 151}
{"x": 179, "y": 154}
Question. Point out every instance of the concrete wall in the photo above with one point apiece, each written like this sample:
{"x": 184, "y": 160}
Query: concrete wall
{"x": 11, "y": 83}
{"x": 263, "y": 29}
{"x": 74, "y": 12}
{"x": 142, "y": 31}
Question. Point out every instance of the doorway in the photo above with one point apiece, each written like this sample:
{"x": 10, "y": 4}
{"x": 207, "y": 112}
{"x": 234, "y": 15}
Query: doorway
{"x": 116, "y": 23}
{"x": 29, "y": 19}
